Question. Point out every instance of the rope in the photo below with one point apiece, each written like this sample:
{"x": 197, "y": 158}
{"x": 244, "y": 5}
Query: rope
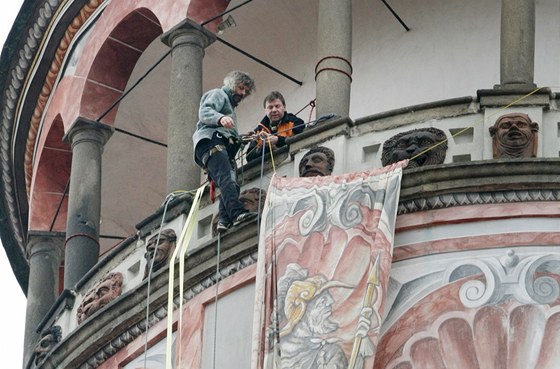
{"x": 318, "y": 71}
{"x": 274, "y": 293}
{"x": 162, "y": 58}
{"x": 66, "y": 188}
{"x": 218, "y": 276}
{"x": 81, "y": 235}
{"x": 167, "y": 201}
{"x": 312, "y": 104}
{"x": 180, "y": 251}
{"x": 271, "y": 156}
{"x": 263, "y": 135}
{"x": 477, "y": 122}
{"x": 308, "y": 104}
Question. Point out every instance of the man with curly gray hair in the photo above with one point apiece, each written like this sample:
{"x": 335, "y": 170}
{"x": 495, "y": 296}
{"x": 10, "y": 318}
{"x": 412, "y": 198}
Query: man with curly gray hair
{"x": 217, "y": 141}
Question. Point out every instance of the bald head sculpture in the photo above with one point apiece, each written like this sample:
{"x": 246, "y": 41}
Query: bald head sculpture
{"x": 514, "y": 135}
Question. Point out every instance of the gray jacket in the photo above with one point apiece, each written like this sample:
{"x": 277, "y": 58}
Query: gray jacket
{"x": 215, "y": 104}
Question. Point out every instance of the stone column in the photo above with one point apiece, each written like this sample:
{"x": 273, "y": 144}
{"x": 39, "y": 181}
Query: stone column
{"x": 187, "y": 41}
{"x": 333, "y": 72}
{"x": 45, "y": 250}
{"x": 87, "y": 138}
{"x": 517, "y": 44}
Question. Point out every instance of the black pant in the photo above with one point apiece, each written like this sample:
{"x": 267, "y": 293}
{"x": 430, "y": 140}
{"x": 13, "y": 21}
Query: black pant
{"x": 222, "y": 172}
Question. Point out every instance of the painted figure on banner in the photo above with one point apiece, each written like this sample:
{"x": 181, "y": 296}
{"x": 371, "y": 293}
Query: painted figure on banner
{"x": 327, "y": 247}
{"x": 308, "y": 334}
{"x": 514, "y": 135}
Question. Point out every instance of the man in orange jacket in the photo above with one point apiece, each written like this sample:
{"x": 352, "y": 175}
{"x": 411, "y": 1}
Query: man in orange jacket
{"x": 276, "y": 126}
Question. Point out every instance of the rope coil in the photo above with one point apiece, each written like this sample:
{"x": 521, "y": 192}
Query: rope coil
{"x": 319, "y": 71}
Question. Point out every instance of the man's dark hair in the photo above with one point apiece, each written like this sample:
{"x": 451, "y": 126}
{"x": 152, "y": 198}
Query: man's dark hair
{"x": 273, "y": 96}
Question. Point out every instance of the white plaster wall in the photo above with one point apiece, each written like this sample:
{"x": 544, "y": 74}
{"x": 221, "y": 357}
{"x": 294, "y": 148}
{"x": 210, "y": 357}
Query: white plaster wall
{"x": 451, "y": 50}
{"x": 233, "y": 325}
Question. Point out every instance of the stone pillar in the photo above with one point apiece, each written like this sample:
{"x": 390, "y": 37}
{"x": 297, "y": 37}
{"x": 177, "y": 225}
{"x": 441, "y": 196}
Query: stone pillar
{"x": 517, "y": 44}
{"x": 84, "y": 198}
{"x": 45, "y": 250}
{"x": 187, "y": 41}
{"x": 333, "y": 72}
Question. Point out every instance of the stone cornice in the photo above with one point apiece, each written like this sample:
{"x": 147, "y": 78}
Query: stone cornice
{"x": 481, "y": 182}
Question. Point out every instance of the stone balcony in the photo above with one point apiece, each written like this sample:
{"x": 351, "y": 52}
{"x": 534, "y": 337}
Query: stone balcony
{"x": 469, "y": 177}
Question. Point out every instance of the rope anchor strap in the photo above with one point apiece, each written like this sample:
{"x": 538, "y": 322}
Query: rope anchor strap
{"x": 179, "y": 253}
{"x": 334, "y": 57}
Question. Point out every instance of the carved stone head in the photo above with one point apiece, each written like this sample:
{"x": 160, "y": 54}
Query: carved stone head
{"x": 412, "y": 144}
{"x": 319, "y": 161}
{"x": 49, "y": 339}
{"x": 164, "y": 250}
{"x": 514, "y": 135}
{"x": 105, "y": 291}
{"x": 250, "y": 199}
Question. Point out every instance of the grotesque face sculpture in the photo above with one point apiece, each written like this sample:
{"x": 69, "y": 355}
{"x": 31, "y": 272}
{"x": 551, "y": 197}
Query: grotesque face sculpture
{"x": 412, "y": 144}
{"x": 250, "y": 199}
{"x": 49, "y": 339}
{"x": 514, "y": 136}
{"x": 164, "y": 250}
{"x": 100, "y": 295}
{"x": 319, "y": 161}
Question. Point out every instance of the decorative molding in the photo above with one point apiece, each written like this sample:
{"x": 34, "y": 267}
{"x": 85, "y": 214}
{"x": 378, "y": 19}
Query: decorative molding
{"x": 13, "y": 92}
{"x": 481, "y": 338}
{"x": 525, "y": 279}
{"x": 476, "y": 198}
{"x": 139, "y": 328}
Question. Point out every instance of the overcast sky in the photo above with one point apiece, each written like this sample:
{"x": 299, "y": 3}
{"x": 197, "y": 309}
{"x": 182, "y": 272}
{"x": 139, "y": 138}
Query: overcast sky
{"x": 12, "y": 310}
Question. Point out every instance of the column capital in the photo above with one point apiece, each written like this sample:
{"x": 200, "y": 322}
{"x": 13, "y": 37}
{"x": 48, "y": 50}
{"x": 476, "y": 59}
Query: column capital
{"x": 187, "y": 32}
{"x": 84, "y": 129}
{"x": 44, "y": 241}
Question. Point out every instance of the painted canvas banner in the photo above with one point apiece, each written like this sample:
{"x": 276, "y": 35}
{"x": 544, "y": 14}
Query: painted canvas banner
{"x": 324, "y": 260}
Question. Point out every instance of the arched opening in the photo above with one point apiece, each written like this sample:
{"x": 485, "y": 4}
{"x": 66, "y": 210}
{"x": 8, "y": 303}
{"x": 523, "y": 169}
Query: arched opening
{"x": 113, "y": 64}
{"x": 48, "y": 202}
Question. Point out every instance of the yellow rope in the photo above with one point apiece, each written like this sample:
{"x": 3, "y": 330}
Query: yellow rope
{"x": 271, "y": 155}
{"x": 477, "y": 122}
{"x": 181, "y": 249}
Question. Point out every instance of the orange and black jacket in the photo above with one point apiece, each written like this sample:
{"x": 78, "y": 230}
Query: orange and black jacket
{"x": 288, "y": 126}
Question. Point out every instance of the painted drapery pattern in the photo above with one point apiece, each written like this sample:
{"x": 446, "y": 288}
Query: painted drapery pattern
{"x": 324, "y": 260}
